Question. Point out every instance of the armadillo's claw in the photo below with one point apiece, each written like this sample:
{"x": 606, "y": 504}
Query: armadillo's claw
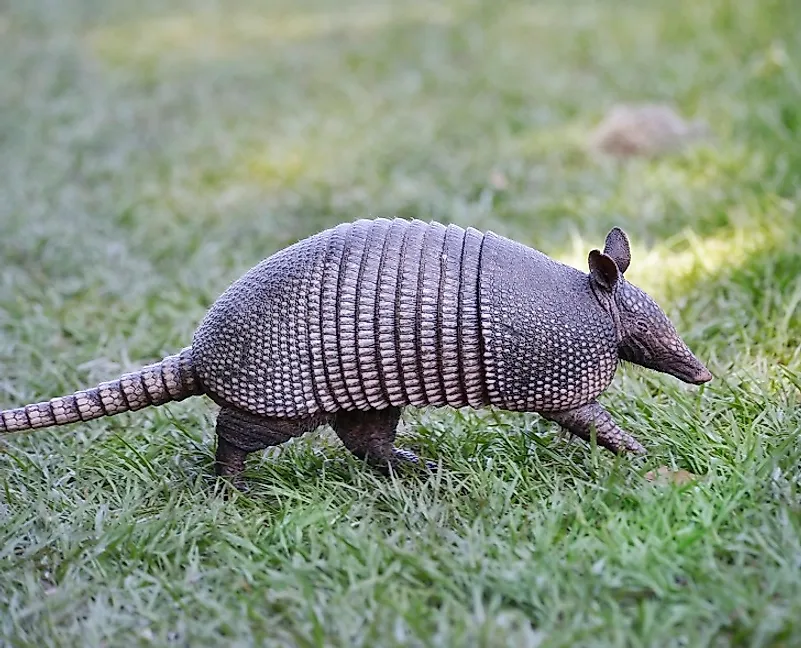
{"x": 618, "y": 440}
{"x": 634, "y": 446}
{"x": 230, "y": 485}
{"x": 409, "y": 457}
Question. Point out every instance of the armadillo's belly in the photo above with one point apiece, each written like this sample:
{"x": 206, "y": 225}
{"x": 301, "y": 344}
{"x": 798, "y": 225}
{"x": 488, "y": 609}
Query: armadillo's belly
{"x": 365, "y": 315}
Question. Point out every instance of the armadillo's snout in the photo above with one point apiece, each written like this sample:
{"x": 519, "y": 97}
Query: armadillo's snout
{"x": 691, "y": 371}
{"x": 703, "y": 375}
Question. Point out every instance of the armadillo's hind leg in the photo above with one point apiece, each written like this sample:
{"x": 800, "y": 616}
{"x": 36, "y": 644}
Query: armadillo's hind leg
{"x": 370, "y": 435}
{"x": 581, "y": 421}
{"x": 240, "y": 433}
{"x": 229, "y": 460}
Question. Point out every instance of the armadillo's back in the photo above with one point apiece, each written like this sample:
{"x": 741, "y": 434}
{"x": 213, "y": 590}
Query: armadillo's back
{"x": 365, "y": 315}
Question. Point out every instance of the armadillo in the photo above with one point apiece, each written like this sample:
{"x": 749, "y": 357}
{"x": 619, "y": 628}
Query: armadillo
{"x": 348, "y": 326}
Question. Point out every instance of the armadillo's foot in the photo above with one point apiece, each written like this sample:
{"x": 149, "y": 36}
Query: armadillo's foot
{"x": 581, "y": 421}
{"x": 370, "y": 436}
{"x": 229, "y": 463}
{"x": 408, "y": 457}
{"x": 229, "y": 460}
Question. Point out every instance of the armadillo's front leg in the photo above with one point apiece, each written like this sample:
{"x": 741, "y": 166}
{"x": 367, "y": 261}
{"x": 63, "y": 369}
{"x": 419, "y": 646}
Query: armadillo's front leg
{"x": 370, "y": 435}
{"x": 581, "y": 420}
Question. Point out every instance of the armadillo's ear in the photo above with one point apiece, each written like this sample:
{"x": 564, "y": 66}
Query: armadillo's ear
{"x": 603, "y": 270}
{"x": 617, "y": 247}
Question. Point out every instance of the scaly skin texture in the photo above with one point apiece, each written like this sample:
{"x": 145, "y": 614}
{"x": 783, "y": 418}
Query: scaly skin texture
{"x": 350, "y": 325}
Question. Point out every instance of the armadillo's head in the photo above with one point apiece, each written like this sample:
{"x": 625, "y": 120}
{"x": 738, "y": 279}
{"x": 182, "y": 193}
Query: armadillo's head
{"x": 645, "y": 335}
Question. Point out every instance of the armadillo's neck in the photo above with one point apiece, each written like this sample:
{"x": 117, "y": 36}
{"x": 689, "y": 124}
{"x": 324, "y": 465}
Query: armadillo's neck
{"x": 549, "y": 345}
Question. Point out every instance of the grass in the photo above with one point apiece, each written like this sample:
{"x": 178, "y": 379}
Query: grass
{"x": 150, "y": 154}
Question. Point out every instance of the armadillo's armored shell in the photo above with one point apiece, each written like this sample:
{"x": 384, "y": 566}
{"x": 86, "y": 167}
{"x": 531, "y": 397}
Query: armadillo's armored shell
{"x": 378, "y": 313}
{"x": 364, "y": 315}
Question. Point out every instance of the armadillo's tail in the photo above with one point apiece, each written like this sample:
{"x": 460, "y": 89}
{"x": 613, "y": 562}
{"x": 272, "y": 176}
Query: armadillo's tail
{"x": 172, "y": 379}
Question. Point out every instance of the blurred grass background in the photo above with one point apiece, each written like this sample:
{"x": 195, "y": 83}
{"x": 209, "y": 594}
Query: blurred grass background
{"x": 151, "y": 152}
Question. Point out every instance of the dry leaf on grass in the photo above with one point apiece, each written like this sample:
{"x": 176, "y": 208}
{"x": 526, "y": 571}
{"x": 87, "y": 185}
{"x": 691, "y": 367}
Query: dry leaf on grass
{"x": 664, "y": 475}
{"x": 645, "y": 130}
{"x": 498, "y": 180}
